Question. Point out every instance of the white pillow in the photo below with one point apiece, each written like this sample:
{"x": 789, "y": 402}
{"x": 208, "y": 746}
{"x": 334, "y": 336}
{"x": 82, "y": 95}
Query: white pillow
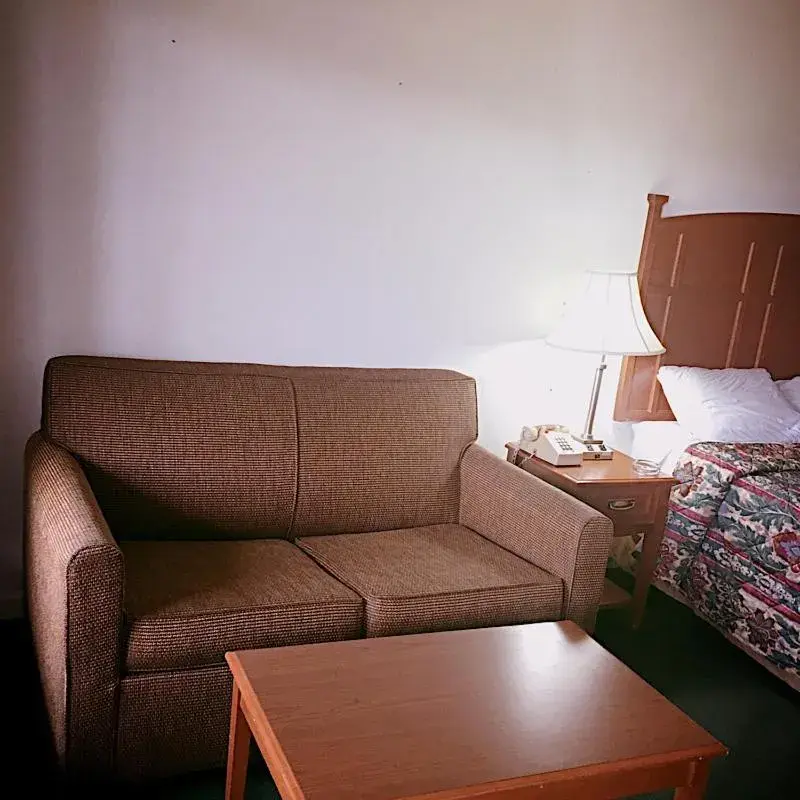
{"x": 729, "y": 405}
{"x": 791, "y": 391}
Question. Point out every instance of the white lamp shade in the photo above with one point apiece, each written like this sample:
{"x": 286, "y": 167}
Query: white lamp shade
{"x": 607, "y": 317}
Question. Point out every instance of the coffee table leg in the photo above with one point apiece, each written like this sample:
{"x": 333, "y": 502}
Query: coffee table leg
{"x": 238, "y": 749}
{"x": 698, "y": 778}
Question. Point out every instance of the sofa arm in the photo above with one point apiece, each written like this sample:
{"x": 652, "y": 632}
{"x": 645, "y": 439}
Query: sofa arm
{"x": 74, "y": 577}
{"x": 539, "y": 523}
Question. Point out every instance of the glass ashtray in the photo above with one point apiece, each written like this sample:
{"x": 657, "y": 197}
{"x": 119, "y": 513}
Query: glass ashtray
{"x": 649, "y": 469}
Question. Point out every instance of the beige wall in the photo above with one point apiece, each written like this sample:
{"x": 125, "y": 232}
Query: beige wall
{"x": 376, "y": 182}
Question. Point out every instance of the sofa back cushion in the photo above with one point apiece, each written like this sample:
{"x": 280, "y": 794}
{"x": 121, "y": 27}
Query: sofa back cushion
{"x": 379, "y": 449}
{"x": 196, "y": 450}
{"x": 178, "y": 450}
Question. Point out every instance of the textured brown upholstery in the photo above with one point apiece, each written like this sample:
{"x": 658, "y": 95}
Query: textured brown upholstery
{"x": 173, "y": 722}
{"x": 159, "y": 500}
{"x": 540, "y": 524}
{"x": 155, "y": 472}
{"x": 436, "y": 578}
{"x": 381, "y": 454}
{"x": 188, "y": 603}
{"x": 75, "y": 579}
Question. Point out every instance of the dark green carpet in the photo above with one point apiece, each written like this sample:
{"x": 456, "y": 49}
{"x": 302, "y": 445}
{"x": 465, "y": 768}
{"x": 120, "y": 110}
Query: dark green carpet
{"x": 752, "y": 712}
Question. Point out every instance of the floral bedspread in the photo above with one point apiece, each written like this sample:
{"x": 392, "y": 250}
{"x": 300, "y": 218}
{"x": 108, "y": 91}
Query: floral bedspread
{"x": 731, "y": 547}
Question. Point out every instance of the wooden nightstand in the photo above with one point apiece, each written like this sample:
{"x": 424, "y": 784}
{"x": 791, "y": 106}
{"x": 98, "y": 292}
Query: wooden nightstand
{"x": 635, "y": 504}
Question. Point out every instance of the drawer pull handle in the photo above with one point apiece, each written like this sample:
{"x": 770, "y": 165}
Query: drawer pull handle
{"x": 621, "y": 505}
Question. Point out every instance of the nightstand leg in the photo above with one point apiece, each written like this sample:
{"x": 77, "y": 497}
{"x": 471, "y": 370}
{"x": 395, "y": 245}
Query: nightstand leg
{"x": 651, "y": 548}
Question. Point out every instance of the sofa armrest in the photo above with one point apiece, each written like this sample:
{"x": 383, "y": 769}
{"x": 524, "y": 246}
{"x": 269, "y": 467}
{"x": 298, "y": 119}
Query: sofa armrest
{"x": 539, "y": 523}
{"x": 74, "y": 578}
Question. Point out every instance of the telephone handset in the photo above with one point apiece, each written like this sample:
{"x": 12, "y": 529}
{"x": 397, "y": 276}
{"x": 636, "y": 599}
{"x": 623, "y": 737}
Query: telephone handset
{"x": 552, "y": 443}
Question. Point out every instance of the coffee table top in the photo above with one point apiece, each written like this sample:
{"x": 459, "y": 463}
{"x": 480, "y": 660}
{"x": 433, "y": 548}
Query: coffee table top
{"x": 413, "y": 716}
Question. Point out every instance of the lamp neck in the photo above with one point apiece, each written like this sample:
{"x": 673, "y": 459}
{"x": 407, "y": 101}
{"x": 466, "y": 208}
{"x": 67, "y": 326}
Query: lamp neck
{"x": 588, "y": 428}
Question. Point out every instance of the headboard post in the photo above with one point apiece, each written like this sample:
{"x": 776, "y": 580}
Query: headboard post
{"x": 655, "y": 206}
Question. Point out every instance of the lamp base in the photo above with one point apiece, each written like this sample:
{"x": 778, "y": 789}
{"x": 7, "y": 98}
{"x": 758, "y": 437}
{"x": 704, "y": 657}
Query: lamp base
{"x": 586, "y": 440}
{"x": 594, "y": 449}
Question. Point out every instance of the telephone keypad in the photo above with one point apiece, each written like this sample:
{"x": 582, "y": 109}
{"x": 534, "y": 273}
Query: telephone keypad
{"x": 564, "y": 443}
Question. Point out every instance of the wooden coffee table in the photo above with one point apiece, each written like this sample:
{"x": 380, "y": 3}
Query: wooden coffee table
{"x": 527, "y": 711}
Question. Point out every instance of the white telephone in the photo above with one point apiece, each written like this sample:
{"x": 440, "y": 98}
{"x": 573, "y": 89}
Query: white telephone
{"x": 552, "y": 443}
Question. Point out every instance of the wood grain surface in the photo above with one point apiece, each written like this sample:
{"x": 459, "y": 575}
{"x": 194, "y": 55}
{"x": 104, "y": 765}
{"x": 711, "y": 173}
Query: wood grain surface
{"x": 613, "y": 472}
{"x": 461, "y": 714}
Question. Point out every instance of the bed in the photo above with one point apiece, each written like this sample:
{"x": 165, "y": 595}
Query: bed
{"x": 722, "y": 291}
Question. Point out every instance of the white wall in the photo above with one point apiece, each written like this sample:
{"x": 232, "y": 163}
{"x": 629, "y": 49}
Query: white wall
{"x": 368, "y": 182}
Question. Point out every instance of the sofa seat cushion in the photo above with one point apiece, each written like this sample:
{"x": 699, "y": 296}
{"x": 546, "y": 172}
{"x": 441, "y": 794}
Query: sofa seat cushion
{"x": 439, "y": 577}
{"x": 188, "y": 603}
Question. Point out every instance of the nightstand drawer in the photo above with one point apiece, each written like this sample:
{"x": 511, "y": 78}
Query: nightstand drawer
{"x": 625, "y": 506}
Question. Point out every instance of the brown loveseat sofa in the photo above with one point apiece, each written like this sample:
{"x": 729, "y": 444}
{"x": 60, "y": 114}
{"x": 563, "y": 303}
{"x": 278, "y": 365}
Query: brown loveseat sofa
{"x": 175, "y": 511}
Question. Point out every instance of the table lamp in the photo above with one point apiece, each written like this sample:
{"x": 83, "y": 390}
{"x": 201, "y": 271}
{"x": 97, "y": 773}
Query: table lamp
{"x": 607, "y": 317}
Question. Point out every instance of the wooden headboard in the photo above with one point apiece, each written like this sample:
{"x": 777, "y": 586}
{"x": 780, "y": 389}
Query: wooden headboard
{"x": 720, "y": 290}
